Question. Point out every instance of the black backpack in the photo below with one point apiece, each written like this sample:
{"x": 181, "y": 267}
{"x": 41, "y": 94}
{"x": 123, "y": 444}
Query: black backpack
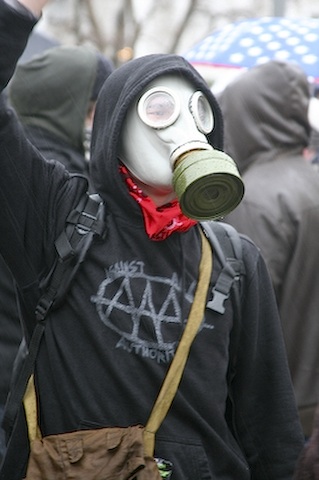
{"x": 85, "y": 222}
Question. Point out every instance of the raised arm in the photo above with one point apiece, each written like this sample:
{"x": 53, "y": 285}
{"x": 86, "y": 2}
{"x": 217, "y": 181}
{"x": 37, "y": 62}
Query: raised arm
{"x": 16, "y": 24}
{"x": 19, "y": 16}
{"x": 30, "y": 187}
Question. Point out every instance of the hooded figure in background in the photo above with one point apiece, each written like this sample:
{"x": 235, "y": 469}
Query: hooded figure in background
{"x": 266, "y": 114}
{"x": 54, "y": 94}
{"x": 107, "y": 347}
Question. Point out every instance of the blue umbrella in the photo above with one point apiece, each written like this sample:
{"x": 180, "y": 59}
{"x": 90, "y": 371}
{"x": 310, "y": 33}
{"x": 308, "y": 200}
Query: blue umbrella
{"x": 250, "y": 42}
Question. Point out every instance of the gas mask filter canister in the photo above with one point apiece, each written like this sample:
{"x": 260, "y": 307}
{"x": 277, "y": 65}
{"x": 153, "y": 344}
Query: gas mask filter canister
{"x": 207, "y": 184}
{"x": 172, "y": 124}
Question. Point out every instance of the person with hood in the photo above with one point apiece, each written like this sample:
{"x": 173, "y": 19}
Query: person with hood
{"x": 54, "y": 94}
{"x": 266, "y": 114}
{"x": 107, "y": 346}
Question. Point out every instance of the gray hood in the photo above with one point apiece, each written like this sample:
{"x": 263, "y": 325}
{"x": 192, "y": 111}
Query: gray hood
{"x": 267, "y": 107}
{"x": 69, "y": 74}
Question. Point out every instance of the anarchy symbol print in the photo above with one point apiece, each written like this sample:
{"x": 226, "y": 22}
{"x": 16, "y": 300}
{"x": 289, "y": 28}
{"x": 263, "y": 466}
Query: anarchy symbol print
{"x": 137, "y": 317}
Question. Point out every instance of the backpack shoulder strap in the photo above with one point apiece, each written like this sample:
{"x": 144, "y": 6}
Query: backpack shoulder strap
{"x": 83, "y": 223}
{"x": 227, "y": 245}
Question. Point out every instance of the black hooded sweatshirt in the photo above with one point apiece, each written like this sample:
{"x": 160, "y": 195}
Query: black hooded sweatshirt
{"x": 106, "y": 350}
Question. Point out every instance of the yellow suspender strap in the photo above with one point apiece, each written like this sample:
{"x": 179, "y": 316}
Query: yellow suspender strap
{"x": 174, "y": 375}
{"x": 30, "y": 407}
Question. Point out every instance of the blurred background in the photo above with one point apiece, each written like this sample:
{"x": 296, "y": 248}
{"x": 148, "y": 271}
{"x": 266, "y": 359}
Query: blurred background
{"x": 130, "y": 28}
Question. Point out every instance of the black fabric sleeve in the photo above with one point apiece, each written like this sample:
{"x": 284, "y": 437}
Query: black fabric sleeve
{"x": 32, "y": 190}
{"x": 22, "y": 25}
{"x": 263, "y": 398}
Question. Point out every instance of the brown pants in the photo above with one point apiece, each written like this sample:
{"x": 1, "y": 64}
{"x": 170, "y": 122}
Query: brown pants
{"x": 101, "y": 454}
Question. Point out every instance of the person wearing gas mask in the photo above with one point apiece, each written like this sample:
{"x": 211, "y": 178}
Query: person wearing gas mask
{"x": 156, "y": 152}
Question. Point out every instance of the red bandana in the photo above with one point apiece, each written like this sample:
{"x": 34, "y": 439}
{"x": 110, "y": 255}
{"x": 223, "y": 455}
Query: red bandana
{"x": 160, "y": 222}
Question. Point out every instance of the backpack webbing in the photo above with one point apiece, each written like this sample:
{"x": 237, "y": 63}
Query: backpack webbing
{"x": 227, "y": 245}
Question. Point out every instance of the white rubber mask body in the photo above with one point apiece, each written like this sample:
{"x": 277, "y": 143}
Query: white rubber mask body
{"x": 169, "y": 118}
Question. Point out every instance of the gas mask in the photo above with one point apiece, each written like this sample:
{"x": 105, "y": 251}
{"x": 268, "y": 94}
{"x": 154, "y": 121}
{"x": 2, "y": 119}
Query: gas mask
{"x": 164, "y": 146}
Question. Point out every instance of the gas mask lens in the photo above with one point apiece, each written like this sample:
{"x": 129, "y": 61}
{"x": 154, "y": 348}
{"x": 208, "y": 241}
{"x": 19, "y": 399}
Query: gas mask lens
{"x": 158, "y": 107}
{"x": 202, "y": 112}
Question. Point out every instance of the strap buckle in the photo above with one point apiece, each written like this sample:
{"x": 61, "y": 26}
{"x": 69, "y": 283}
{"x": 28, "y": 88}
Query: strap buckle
{"x": 217, "y": 302}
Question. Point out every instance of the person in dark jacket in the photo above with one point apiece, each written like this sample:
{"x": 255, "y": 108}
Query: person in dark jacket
{"x": 266, "y": 113}
{"x": 54, "y": 94}
{"x": 107, "y": 347}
